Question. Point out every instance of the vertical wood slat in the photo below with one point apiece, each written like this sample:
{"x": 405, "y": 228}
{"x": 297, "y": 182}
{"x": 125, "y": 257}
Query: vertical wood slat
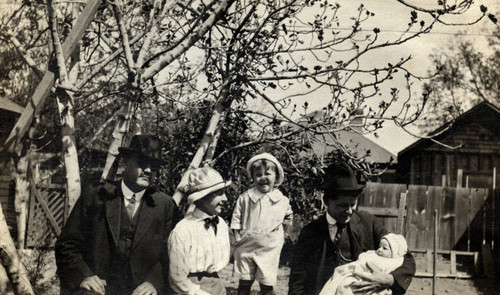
{"x": 462, "y": 208}
{"x": 434, "y": 202}
{"x": 477, "y": 203}
{"x": 416, "y": 204}
{"x": 393, "y": 192}
{"x": 401, "y": 214}
{"x": 447, "y": 220}
{"x": 428, "y": 260}
{"x": 31, "y": 219}
{"x": 453, "y": 262}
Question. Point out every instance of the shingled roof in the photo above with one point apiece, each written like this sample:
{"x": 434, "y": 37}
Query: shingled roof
{"x": 484, "y": 113}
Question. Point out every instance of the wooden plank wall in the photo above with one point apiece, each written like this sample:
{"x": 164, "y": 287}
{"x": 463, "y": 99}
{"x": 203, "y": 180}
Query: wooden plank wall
{"x": 463, "y": 214}
{"x": 381, "y": 195}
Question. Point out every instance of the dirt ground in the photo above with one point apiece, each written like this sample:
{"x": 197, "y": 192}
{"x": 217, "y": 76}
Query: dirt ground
{"x": 478, "y": 285}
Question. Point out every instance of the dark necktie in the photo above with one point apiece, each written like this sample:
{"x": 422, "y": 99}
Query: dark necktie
{"x": 340, "y": 229}
{"x": 131, "y": 206}
{"x": 212, "y": 222}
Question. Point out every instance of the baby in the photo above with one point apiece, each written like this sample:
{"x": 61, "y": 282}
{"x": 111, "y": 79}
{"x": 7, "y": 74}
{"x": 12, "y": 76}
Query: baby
{"x": 257, "y": 222}
{"x": 387, "y": 257}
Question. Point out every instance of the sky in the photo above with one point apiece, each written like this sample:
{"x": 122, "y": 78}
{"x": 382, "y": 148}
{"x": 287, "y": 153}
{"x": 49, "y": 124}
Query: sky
{"x": 391, "y": 137}
{"x": 392, "y": 18}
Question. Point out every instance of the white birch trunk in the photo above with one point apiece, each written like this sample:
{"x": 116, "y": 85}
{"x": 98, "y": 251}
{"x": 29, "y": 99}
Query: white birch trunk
{"x": 15, "y": 270}
{"x": 65, "y": 105}
{"x": 122, "y": 127}
{"x": 207, "y": 141}
{"x": 5, "y": 285}
{"x": 21, "y": 199}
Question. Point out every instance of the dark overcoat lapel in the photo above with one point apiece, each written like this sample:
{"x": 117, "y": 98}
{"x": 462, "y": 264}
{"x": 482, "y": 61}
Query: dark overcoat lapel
{"x": 114, "y": 212}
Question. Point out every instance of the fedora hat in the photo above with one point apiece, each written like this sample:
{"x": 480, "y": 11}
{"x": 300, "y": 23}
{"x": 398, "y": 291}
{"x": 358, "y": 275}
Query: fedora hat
{"x": 201, "y": 182}
{"x": 145, "y": 146}
{"x": 271, "y": 158}
{"x": 340, "y": 178}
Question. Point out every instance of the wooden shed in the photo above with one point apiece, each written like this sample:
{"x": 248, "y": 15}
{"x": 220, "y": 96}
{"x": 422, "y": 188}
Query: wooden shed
{"x": 9, "y": 113}
{"x": 470, "y": 160}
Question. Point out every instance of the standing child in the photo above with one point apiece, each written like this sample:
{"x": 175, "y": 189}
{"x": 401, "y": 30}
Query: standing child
{"x": 257, "y": 224}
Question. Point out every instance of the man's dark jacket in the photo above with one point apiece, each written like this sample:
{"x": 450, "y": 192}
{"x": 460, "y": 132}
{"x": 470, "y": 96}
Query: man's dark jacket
{"x": 315, "y": 256}
{"x": 89, "y": 238}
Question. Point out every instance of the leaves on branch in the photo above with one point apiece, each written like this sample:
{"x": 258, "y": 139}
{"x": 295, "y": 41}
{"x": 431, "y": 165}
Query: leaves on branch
{"x": 493, "y": 18}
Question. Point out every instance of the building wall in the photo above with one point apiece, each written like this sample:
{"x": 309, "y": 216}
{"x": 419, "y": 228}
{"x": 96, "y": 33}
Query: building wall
{"x": 477, "y": 154}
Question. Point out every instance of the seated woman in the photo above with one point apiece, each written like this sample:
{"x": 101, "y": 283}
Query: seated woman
{"x": 387, "y": 257}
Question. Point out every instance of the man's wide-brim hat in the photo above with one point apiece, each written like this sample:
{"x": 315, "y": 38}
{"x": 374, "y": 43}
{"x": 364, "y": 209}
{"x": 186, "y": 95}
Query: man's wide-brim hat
{"x": 146, "y": 147}
{"x": 201, "y": 182}
{"x": 270, "y": 158}
{"x": 341, "y": 178}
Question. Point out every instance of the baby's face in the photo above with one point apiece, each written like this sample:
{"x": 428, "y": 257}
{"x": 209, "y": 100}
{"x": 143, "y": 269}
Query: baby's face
{"x": 384, "y": 249}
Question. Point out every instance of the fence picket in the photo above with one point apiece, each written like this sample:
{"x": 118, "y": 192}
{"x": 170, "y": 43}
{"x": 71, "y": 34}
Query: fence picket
{"x": 434, "y": 202}
{"x": 459, "y": 212}
{"x": 462, "y": 207}
{"x": 447, "y": 218}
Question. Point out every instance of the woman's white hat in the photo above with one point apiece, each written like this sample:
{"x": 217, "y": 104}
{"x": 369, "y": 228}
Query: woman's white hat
{"x": 201, "y": 182}
{"x": 269, "y": 157}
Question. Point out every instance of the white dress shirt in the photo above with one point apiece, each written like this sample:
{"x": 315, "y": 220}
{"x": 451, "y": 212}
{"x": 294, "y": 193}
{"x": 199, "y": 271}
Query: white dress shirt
{"x": 332, "y": 226}
{"x": 127, "y": 193}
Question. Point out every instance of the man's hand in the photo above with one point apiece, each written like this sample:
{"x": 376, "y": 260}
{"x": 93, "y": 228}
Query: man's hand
{"x": 94, "y": 283}
{"x": 145, "y": 288}
{"x": 376, "y": 280}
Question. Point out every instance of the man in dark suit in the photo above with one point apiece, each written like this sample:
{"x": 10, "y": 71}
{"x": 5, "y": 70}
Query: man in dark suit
{"x": 115, "y": 240}
{"x": 339, "y": 236}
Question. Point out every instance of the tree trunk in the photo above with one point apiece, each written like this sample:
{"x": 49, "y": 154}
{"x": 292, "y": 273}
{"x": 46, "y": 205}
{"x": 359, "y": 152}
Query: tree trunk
{"x": 10, "y": 260}
{"x": 21, "y": 199}
{"x": 207, "y": 141}
{"x": 71, "y": 163}
{"x": 65, "y": 103}
{"x": 122, "y": 127}
{"x": 5, "y": 285}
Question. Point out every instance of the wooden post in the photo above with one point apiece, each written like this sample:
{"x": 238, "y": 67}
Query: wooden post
{"x": 493, "y": 193}
{"x": 469, "y": 220}
{"x": 428, "y": 261}
{"x": 401, "y": 214}
{"x": 453, "y": 261}
{"x": 460, "y": 174}
{"x": 434, "y": 262}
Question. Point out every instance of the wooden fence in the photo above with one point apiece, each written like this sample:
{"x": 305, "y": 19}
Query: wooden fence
{"x": 47, "y": 213}
{"x": 466, "y": 216}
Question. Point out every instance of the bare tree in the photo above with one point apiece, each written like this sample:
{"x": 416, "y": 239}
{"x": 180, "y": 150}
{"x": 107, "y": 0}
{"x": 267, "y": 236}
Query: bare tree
{"x": 266, "y": 60}
{"x": 466, "y": 76}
